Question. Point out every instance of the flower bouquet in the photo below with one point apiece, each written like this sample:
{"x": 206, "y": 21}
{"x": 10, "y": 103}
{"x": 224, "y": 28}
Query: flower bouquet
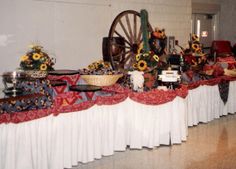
{"x": 147, "y": 58}
{"x": 36, "y": 59}
{"x": 147, "y": 62}
{"x": 194, "y": 55}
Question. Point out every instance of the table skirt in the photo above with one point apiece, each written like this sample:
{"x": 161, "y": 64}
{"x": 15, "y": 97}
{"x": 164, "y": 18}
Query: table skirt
{"x": 204, "y": 103}
{"x": 63, "y": 141}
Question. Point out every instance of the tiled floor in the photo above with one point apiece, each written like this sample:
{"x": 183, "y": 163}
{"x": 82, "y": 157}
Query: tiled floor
{"x": 209, "y": 146}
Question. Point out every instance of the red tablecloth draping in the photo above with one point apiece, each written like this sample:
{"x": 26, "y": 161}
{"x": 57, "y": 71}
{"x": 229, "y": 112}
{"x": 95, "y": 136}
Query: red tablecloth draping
{"x": 64, "y": 103}
{"x": 110, "y": 100}
{"x": 24, "y": 116}
{"x": 210, "y": 82}
{"x": 230, "y": 60}
{"x": 70, "y": 79}
{"x": 36, "y": 114}
{"x": 75, "y": 107}
{"x": 156, "y": 97}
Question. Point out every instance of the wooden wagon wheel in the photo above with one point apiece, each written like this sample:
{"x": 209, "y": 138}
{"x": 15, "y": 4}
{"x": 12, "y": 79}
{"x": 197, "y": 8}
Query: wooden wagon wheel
{"x": 127, "y": 28}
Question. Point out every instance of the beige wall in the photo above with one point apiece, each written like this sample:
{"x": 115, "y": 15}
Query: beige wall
{"x": 72, "y": 30}
{"x": 228, "y": 20}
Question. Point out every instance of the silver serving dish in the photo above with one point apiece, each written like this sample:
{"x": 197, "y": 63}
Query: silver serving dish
{"x": 10, "y": 77}
{"x": 11, "y": 80}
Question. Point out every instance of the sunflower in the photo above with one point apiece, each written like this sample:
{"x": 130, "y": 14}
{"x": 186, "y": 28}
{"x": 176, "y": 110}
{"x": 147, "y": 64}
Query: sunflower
{"x": 135, "y": 65}
{"x": 107, "y": 65}
{"x": 137, "y": 57}
{"x": 91, "y": 66}
{"x": 195, "y": 46}
{"x": 24, "y": 58}
{"x": 43, "y": 67}
{"x": 198, "y": 50}
{"x": 142, "y": 65}
{"x": 156, "y": 58}
{"x": 97, "y": 65}
{"x": 36, "y": 56}
{"x": 140, "y": 48}
{"x": 195, "y": 37}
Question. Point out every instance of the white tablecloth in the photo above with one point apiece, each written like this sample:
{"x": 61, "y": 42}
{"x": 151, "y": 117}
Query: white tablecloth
{"x": 63, "y": 141}
{"x": 204, "y": 103}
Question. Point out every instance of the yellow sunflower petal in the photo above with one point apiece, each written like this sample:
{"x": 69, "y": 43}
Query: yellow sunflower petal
{"x": 156, "y": 58}
{"x": 137, "y": 57}
{"x": 195, "y": 37}
{"x": 142, "y": 65}
{"x": 24, "y": 58}
{"x": 91, "y": 67}
{"x": 36, "y": 56}
{"x": 43, "y": 67}
{"x": 198, "y": 50}
{"x": 195, "y": 46}
{"x": 135, "y": 65}
{"x": 107, "y": 65}
{"x": 140, "y": 48}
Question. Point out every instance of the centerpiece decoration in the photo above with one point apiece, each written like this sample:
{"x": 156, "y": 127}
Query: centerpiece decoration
{"x": 147, "y": 62}
{"x": 36, "y": 59}
{"x": 147, "y": 58}
{"x": 194, "y": 55}
{"x": 194, "y": 61}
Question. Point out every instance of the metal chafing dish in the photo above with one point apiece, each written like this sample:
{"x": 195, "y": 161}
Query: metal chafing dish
{"x": 11, "y": 80}
{"x": 10, "y": 77}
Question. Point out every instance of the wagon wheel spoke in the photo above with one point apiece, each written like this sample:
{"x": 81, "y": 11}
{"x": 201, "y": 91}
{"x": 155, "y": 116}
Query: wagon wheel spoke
{"x": 129, "y": 56}
{"x": 129, "y": 29}
{"x": 123, "y": 46}
{"x": 120, "y": 54}
{"x": 125, "y": 31}
{"x": 117, "y": 33}
{"x": 127, "y": 61}
{"x": 135, "y": 28}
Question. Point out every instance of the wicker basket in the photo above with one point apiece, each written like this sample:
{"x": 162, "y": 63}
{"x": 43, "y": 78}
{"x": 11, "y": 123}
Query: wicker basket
{"x": 101, "y": 80}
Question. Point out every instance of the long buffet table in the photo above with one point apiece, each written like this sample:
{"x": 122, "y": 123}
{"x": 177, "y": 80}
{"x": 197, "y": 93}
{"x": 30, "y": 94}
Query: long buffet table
{"x": 57, "y": 142}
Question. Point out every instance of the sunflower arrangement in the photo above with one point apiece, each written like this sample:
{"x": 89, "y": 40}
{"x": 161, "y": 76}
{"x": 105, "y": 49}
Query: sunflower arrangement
{"x": 145, "y": 61}
{"x": 36, "y": 59}
{"x": 195, "y": 49}
{"x": 98, "y": 65}
{"x": 195, "y": 45}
